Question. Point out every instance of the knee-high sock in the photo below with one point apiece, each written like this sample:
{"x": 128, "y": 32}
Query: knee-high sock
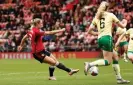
{"x": 116, "y": 68}
{"x": 100, "y": 62}
{"x": 63, "y": 67}
{"x": 51, "y": 71}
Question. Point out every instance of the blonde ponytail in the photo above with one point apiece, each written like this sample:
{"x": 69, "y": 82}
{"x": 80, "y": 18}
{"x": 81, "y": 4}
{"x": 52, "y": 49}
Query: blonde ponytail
{"x": 102, "y": 8}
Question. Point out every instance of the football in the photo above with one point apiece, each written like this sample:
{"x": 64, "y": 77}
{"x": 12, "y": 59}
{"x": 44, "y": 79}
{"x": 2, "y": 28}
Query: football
{"x": 93, "y": 71}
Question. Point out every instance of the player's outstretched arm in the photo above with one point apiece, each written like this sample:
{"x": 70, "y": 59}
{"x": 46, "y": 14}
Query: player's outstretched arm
{"x": 122, "y": 24}
{"x": 54, "y": 31}
{"x": 22, "y": 42}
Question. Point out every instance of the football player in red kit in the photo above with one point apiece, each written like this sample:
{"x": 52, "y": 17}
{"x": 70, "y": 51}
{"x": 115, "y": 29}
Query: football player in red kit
{"x": 38, "y": 49}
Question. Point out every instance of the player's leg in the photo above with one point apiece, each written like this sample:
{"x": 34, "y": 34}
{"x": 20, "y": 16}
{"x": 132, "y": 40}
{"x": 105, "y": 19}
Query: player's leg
{"x": 130, "y": 56}
{"x": 63, "y": 67}
{"x": 107, "y": 45}
{"x": 40, "y": 56}
{"x": 101, "y": 62}
{"x": 116, "y": 68}
{"x": 51, "y": 68}
{"x": 60, "y": 65}
{"x": 125, "y": 51}
{"x": 51, "y": 73}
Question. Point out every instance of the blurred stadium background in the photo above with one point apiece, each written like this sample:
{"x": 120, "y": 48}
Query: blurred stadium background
{"x": 17, "y": 68}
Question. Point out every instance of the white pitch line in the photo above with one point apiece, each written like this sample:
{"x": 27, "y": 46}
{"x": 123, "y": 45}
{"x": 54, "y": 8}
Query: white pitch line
{"x": 19, "y": 73}
{"x": 64, "y": 76}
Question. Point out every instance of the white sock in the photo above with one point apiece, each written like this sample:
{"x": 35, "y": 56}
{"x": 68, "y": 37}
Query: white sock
{"x": 117, "y": 70}
{"x": 125, "y": 56}
{"x": 100, "y": 62}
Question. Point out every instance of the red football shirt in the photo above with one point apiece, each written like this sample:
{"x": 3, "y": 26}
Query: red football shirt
{"x": 36, "y": 40}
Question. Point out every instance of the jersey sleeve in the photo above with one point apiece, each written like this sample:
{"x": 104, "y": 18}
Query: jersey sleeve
{"x": 118, "y": 30}
{"x": 128, "y": 32}
{"x": 115, "y": 19}
{"x": 124, "y": 29}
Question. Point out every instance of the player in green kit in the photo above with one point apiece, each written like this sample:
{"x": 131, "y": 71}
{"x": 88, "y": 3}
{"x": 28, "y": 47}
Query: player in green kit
{"x": 103, "y": 22}
{"x": 129, "y": 34}
{"x": 123, "y": 43}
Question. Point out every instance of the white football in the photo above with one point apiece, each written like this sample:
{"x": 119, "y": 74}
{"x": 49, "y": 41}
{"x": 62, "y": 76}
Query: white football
{"x": 93, "y": 71}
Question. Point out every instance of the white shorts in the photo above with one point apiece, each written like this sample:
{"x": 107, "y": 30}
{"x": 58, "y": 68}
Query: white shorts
{"x": 130, "y": 54}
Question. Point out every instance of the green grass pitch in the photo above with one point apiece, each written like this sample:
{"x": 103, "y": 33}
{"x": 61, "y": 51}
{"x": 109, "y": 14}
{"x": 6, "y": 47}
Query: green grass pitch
{"x": 31, "y": 72}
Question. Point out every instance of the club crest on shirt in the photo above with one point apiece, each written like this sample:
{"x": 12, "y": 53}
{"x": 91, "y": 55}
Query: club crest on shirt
{"x": 42, "y": 55}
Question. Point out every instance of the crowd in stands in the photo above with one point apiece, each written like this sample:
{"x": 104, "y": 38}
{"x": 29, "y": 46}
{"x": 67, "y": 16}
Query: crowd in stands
{"x": 74, "y": 15}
